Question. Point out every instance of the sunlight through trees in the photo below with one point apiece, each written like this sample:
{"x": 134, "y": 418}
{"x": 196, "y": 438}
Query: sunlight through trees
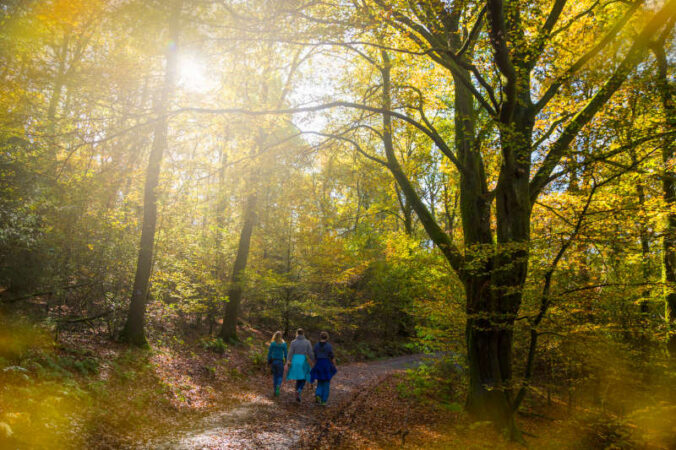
{"x": 490, "y": 179}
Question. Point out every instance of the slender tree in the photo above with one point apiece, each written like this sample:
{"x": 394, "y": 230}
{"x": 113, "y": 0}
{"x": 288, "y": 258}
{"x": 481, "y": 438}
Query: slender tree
{"x": 229, "y": 329}
{"x": 134, "y": 328}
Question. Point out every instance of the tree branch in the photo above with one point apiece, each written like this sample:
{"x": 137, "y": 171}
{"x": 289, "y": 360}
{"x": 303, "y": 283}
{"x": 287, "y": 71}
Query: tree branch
{"x": 537, "y": 47}
{"x": 633, "y": 57}
{"x": 446, "y": 57}
{"x": 503, "y": 59}
{"x": 337, "y": 104}
{"x": 584, "y": 59}
{"x": 474, "y": 32}
{"x": 346, "y": 139}
{"x": 438, "y": 236}
{"x": 545, "y": 301}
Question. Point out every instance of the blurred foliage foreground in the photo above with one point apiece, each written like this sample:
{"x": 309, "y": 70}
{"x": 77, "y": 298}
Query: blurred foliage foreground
{"x": 89, "y": 392}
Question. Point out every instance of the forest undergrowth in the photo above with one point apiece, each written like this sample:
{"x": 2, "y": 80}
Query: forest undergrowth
{"x": 86, "y": 391}
{"x": 423, "y": 408}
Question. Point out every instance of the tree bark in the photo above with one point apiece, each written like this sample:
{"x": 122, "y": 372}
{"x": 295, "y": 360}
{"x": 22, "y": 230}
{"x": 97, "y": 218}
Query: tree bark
{"x": 487, "y": 396}
{"x": 665, "y": 90}
{"x": 405, "y": 207}
{"x": 134, "y": 328}
{"x": 644, "y": 239}
{"x": 229, "y": 329}
{"x": 488, "y": 328}
{"x": 488, "y": 344}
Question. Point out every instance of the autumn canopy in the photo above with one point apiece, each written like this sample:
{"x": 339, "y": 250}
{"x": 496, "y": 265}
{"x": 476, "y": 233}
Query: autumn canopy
{"x": 491, "y": 182}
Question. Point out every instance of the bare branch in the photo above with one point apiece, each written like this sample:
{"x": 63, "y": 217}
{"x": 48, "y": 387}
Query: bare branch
{"x": 354, "y": 143}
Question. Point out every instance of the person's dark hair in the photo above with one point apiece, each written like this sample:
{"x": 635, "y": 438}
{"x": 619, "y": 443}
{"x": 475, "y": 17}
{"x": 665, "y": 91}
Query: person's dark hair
{"x": 324, "y": 336}
{"x": 300, "y": 332}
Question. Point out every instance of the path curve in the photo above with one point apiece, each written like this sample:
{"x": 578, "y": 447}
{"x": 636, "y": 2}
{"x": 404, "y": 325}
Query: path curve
{"x": 270, "y": 423}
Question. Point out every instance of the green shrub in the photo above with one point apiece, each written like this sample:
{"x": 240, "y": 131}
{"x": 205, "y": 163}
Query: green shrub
{"x": 54, "y": 367}
{"x": 258, "y": 359}
{"x": 364, "y": 351}
{"x": 87, "y": 366}
{"x": 65, "y": 366}
{"x": 601, "y": 431}
{"x": 216, "y": 345}
{"x": 437, "y": 382}
{"x": 418, "y": 382}
{"x": 236, "y": 374}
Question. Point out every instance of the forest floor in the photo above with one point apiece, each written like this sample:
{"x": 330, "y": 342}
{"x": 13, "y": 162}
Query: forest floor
{"x": 383, "y": 405}
{"x": 277, "y": 423}
{"x": 85, "y": 391}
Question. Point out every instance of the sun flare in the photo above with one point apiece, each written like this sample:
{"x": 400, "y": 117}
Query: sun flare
{"x": 193, "y": 76}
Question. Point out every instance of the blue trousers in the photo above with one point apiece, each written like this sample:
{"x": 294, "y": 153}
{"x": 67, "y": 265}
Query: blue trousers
{"x": 300, "y": 384}
{"x": 277, "y": 366}
{"x": 323, "y": 390}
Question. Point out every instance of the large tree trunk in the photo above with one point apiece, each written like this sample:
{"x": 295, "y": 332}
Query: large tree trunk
{"x": 491, "y": 306}
{"x": 488, "y": 342}
{"x": 229, "y": 329}
{"x": 134, "y": 328}
{"x": 487, "y": 395}
{"x": 668, "y": 186}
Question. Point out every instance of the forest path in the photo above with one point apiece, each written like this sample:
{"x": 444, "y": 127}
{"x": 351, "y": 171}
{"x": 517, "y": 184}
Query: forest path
{"x": 277, "y": 423}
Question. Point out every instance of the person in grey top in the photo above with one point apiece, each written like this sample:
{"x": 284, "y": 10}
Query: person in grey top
{"x": 301, "y": 346}
{"x": 299, "y": 360}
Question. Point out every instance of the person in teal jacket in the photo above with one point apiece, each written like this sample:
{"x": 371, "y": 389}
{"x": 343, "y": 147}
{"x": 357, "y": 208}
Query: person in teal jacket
{"x": 300, "y": 358}
{"x": 276, "y": 360}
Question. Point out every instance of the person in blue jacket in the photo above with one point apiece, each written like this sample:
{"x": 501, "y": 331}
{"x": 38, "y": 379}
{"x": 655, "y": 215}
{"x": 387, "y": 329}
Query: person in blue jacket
{"x": 276, "y": 359}
{"x": 324, "y": 368}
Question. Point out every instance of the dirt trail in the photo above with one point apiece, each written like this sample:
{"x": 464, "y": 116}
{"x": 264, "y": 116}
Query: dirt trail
{"x": 278, "y": 423}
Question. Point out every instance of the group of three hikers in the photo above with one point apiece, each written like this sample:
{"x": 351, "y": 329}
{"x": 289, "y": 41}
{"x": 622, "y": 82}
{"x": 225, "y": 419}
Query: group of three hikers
{"x": 304, "y": 363}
